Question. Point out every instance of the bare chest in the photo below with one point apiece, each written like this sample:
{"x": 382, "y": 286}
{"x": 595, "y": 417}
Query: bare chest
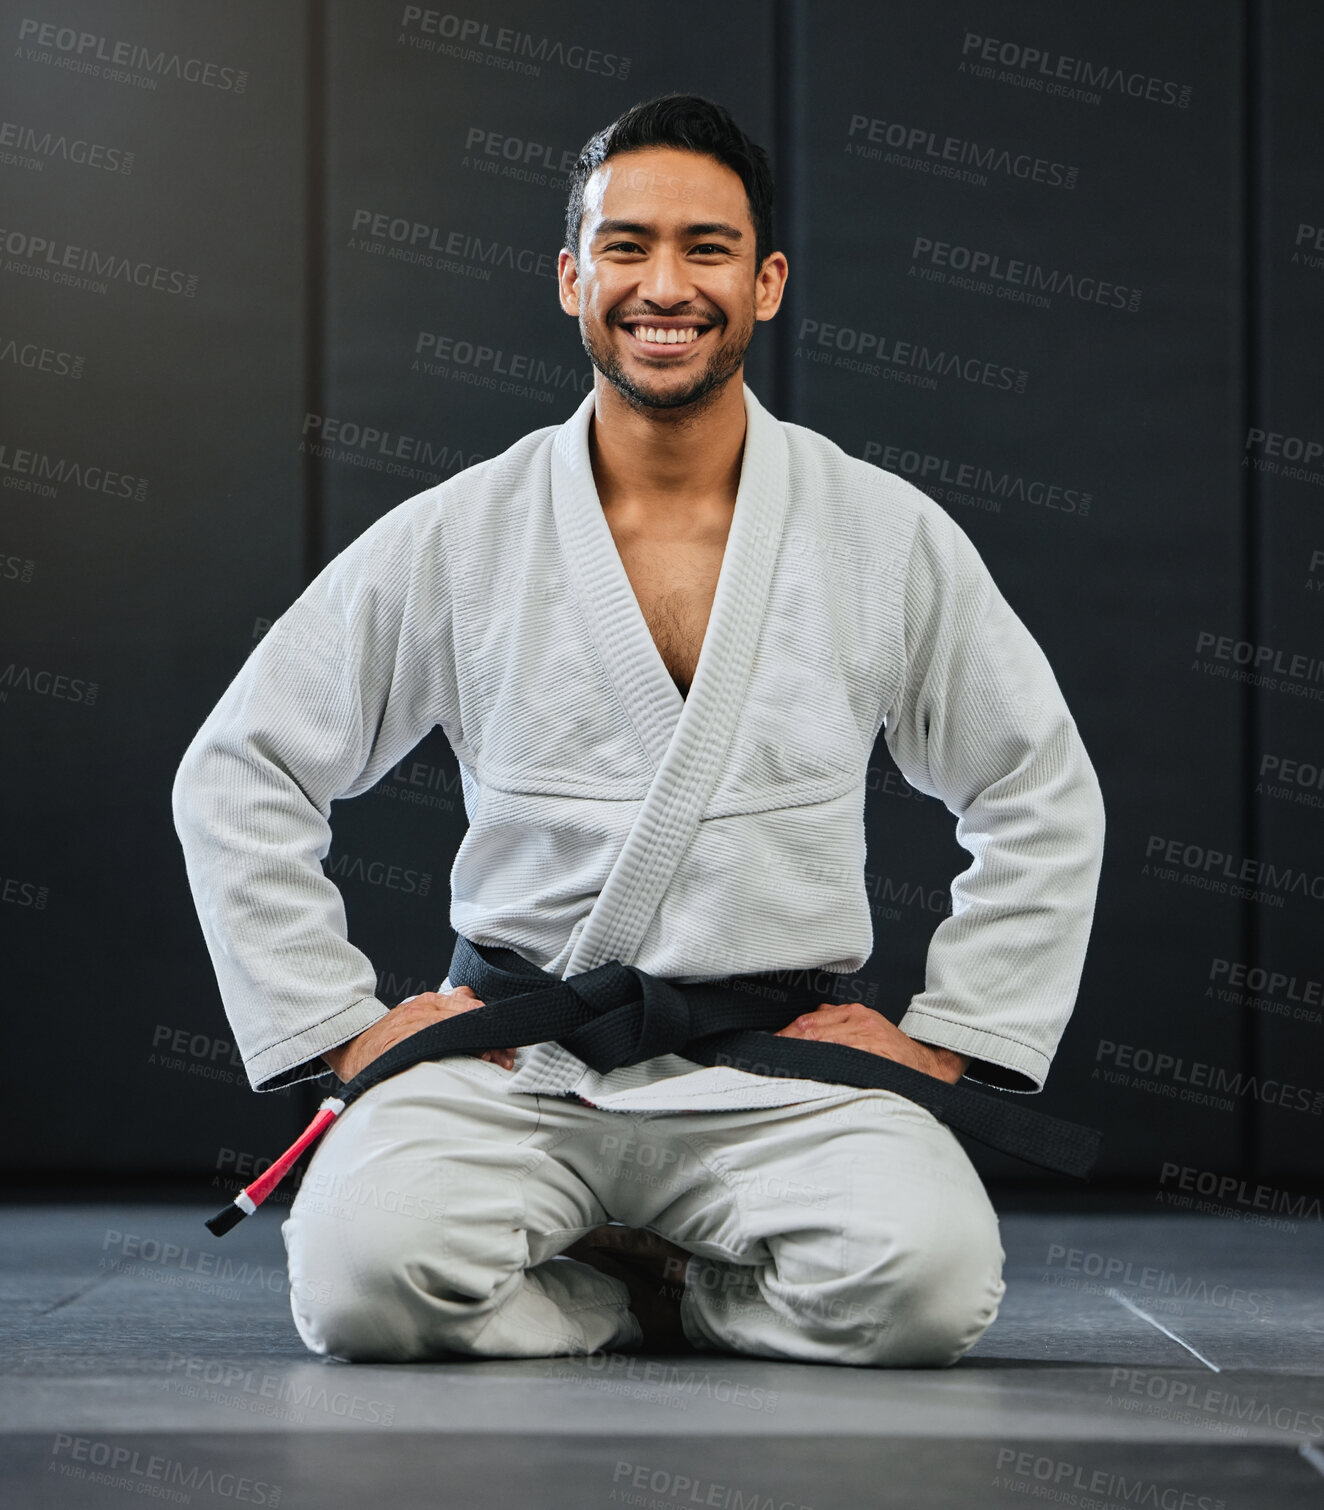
{"x": 674, "y": 583}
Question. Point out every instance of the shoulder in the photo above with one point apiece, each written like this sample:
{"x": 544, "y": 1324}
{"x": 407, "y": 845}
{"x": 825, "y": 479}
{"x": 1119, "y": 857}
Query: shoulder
{"x": 860, "y": 496}
{"x": 480, "y": 495}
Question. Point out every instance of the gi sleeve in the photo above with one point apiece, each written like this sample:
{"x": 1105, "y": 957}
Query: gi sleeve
{"x": 979, "y": 721}
{"x": 344, "y": 684}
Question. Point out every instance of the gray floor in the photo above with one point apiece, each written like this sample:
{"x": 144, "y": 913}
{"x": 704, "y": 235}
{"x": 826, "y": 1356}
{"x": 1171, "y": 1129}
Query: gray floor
{"x": 1139, "y": 1360}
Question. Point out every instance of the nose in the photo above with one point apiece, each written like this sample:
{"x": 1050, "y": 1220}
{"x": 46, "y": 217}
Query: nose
{"x": 666, "y": 279}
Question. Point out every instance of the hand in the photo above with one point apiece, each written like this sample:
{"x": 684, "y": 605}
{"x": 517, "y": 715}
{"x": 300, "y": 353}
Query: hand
{"x": 403, "y": 1022}
{"x": 860, "y": 1027}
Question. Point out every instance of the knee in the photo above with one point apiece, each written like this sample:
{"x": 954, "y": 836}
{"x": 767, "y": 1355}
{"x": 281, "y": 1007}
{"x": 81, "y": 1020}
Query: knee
{"x": 935, "y": 1298}
{"x": 348, "y": 1295}
{"x": 380, "y": 1291}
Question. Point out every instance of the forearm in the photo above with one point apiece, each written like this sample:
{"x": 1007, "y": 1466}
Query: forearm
{"x": 335, "y": 694}
{"x": 274, "y": 924}
{"x": 980, "y": 722}
{"x": 946, "y": 1064}
{"x": 1004, "y": 969}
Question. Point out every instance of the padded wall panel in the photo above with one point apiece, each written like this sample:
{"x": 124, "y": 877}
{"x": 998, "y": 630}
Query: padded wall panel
{"x": 151, "y": 184}
{"x": 1023, "y": 294}
{"x": 1283, "y": 452}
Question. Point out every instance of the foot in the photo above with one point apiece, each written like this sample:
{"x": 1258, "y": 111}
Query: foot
{"x": 652, "y": 1269}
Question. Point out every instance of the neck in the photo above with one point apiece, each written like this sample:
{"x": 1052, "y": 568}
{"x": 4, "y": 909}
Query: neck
{"x": 667, "y": 464}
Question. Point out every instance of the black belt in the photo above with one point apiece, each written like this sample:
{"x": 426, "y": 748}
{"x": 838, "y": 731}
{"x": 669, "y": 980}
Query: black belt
{"x": 616, "y": 1015}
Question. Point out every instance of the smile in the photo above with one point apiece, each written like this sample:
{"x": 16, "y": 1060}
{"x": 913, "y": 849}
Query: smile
{"x": 659, "y": 338}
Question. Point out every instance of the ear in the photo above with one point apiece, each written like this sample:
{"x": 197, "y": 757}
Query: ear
{"x": 769, "y": 285}
{"x": 567, "y": 278}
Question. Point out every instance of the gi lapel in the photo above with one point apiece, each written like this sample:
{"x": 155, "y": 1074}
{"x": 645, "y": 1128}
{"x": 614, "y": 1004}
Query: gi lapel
{"x": 687, "y": 738}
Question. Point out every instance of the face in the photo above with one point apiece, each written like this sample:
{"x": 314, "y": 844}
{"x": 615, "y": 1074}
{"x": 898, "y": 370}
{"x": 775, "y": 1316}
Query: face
{"x": 665, "y": 286}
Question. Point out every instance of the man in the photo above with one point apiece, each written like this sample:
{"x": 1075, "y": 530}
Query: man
{"x": 662, "y": 639}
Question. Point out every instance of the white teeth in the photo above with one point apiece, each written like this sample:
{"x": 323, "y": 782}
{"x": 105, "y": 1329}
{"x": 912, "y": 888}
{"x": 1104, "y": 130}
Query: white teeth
{"x": 667, "y": 335}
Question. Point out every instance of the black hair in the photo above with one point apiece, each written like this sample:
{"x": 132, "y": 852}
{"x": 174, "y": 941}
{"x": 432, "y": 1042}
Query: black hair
{"x": 693, "y": 124}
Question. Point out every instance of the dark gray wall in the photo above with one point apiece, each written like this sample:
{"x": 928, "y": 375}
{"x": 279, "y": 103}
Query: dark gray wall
{"x": 1134, "y": 447}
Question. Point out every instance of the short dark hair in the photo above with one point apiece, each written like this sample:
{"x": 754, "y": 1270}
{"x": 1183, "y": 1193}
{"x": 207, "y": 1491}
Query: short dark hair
{"x": 693, "y": 124}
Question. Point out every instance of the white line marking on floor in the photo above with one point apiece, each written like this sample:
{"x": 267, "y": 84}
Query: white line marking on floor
{"x": 1135, "y": 1309}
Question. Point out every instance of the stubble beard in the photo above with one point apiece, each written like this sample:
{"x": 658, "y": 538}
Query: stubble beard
{"x": 686, "y": 402}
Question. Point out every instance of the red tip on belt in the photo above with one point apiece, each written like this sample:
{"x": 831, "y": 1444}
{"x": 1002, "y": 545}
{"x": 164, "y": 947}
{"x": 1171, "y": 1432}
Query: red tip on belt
{"x": 252, "y": 1196}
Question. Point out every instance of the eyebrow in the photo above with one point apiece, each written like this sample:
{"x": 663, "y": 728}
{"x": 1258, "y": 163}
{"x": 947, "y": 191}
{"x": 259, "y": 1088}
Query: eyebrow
{"x": 638, "y": 228}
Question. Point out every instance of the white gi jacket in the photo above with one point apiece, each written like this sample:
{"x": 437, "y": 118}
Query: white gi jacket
{"x": 612, "y": 818}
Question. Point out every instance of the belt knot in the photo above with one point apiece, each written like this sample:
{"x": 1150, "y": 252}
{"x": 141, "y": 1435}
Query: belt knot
{"x": 637, "y": 1016}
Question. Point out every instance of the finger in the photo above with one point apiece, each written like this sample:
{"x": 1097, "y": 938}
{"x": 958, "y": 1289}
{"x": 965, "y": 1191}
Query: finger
{"x": 442, "y": 998}
{"x": 833, "y": 1014}
{"x": 814, "y": 1019}
{"x": 463, "y": 1000}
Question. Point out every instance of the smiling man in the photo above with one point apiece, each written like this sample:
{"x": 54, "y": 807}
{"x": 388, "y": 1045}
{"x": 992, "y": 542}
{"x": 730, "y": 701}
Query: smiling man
{"x": 662, "y": 639}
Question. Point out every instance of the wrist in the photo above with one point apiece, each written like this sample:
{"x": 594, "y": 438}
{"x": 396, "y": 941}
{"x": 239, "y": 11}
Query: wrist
{"x": 947, "y": 1064}
{"x": 335, "y": 1058}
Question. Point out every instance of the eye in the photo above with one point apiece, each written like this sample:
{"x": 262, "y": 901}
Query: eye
{"x": 617, "y": 246}
{"x": 710, "y": 246}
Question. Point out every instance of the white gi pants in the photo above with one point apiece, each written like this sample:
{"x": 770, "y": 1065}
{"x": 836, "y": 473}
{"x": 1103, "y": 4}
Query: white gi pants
{"x": 852, "y": 1230}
